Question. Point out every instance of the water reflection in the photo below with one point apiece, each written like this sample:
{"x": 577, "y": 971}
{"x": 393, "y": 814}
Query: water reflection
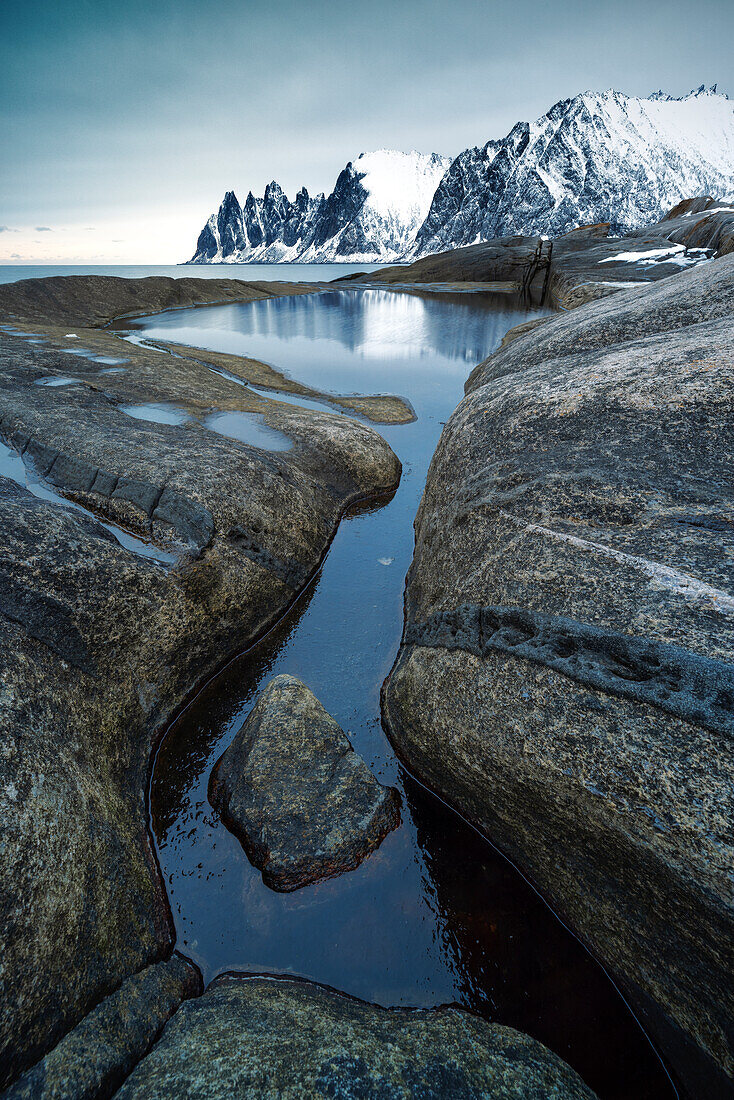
{"x": 435, "y": 914}
{"x": 382, "y": 331}
{"x": 160, "y": 412}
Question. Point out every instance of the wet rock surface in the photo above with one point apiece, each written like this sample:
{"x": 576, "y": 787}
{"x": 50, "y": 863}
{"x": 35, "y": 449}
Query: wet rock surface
{"x": 100, "y": 645}
{"x": 303, "y": 803}
{"x": 97, "y": 1055}
{"x": 379, "y": 408}
{"x": 565, "y": 678}
{"x": 256, "y": 1037}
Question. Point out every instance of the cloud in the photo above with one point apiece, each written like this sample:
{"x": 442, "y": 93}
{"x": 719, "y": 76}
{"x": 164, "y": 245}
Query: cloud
{"x": 43, "y": 229}
{"x": 7, "y": 229}
{"x": 15, "y": 256}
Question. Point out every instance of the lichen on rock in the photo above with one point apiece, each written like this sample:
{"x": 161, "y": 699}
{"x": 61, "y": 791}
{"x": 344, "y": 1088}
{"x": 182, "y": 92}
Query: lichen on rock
{"x": 567, "y": 668}
{"x": 303, "y": 803}
{"x": 257, "y": 1038}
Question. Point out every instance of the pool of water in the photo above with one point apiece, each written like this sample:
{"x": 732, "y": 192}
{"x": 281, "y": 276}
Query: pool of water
{"x": 435, "y": 914}
{"x": 157, "y": 412}
{"x": 55, "y": 380}
{"x": 247, "y": 428}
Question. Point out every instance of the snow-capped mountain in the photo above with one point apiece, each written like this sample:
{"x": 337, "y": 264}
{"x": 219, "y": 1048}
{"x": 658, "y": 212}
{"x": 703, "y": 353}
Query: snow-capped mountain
{"x": 374, "y": 212}
{"x": 598, "y": 157}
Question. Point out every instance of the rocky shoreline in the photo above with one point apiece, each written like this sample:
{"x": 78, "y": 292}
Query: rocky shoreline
{"x": 564, "y": 679}
{"x": 581, "y": 266}
{"x": 101, "y": 646}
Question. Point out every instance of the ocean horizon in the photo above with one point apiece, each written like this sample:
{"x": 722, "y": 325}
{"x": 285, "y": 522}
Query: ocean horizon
{"x": 289, "y": 273}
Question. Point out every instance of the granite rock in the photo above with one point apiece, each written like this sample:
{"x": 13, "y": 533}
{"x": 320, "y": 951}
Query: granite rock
{"x": 303, "y": 803}
{"x": 97, "y": 1055}
{"x": 259, "y": 1038}
{"x": 566, "y": 677}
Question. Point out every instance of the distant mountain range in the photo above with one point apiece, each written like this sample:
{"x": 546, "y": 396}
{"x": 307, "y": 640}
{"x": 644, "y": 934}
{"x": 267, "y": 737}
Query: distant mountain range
{"x": 598, "y": 157}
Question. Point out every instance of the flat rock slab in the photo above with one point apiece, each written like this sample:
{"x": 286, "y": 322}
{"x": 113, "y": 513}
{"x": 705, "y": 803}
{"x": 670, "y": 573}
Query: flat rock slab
{"x": 261, "y": 1038}
{"x": 302, "y": 802}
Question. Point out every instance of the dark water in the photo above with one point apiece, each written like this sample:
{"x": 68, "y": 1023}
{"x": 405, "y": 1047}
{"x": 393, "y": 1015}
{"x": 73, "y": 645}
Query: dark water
{"x": 435, "y": 914}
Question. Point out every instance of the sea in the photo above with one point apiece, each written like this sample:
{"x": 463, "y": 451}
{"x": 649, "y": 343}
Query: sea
{"x": 289, "y": 273}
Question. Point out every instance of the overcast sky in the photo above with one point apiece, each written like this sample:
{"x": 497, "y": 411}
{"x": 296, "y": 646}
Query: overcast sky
{"x": 121, "y": 125}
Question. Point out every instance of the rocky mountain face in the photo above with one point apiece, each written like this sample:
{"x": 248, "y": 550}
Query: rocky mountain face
{"x": 374, "y": 212}
{"x": 598, "y": 157}
{"x": 594, "y": 158}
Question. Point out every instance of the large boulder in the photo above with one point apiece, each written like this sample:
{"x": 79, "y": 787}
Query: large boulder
{"x": 566, "y": 675}
{"x": 100, "y": 643}
{"x": 303, "y": 803}
{"x": 258, "y": 1038}
{"x": 97, "y": 1055}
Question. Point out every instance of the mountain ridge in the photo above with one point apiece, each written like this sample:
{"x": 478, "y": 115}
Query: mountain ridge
{"x": 594, "y": 157}
{"x": 377, "y": 205}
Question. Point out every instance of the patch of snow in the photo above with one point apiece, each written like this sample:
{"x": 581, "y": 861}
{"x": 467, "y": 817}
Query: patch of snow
{"x": 653, "y": 255}
{"x": 705, "y": 213}
{"x": 401, "y": 185}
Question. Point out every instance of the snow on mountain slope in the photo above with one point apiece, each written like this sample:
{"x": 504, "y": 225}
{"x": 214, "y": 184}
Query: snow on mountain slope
{"x": 400, "y": 186}
{"x": 597, "y": 157}
{"x": 377, "y": 205}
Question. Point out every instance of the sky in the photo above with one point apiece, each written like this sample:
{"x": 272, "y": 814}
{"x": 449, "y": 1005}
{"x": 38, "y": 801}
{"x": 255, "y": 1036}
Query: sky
{"x": 122, "y": 125}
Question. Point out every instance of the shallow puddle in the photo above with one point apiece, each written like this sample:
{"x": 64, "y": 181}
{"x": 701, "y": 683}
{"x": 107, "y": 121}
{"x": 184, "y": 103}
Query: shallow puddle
{"x": 13, "y": 466}
{"x": 247, "y": 428}
{"x": 57, "y": 380}
{"x": 93, "y": 357}
{"x": 156, "y": 412}
{"x": 435, "y": 914}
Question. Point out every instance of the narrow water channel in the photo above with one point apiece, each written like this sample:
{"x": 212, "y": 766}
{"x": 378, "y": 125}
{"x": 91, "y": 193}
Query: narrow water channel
{"x": 435, "y": 914}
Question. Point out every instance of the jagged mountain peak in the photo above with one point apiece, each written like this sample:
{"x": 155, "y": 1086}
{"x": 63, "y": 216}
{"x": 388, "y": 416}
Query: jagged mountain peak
{"x": 704, "y": 91}
{"x": 695, "y": 93}
{"x": 377, "y": 204}
{"x": 598, "y": 156}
